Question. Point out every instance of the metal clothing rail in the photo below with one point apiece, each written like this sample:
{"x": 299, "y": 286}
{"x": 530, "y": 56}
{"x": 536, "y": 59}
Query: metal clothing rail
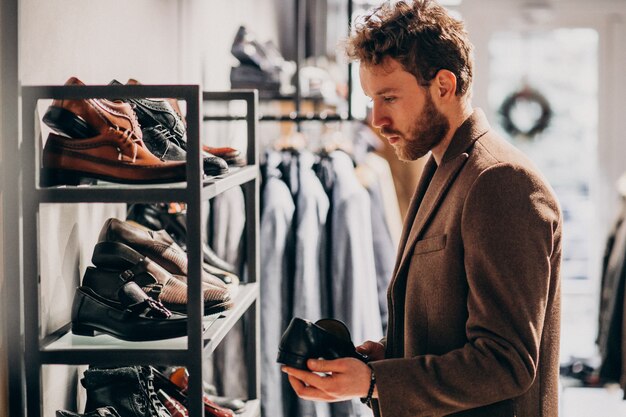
{"x": 294, "y": 117}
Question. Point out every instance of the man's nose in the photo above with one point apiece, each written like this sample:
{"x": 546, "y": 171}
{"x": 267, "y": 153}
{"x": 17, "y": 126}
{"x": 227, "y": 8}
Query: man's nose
{"x": 379, "y": 118}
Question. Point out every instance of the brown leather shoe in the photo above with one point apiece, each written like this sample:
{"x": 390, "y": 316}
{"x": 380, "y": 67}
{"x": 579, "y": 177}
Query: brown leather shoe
{"x": 158, "y": 246}
{"x": 113, "y": 155}
{"x": 86, "y": 118}
{"x": 116, "y": 261}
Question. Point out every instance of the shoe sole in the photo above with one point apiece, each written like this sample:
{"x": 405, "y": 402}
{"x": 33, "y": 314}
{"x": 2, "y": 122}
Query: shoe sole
{"x": 50, "y": 177}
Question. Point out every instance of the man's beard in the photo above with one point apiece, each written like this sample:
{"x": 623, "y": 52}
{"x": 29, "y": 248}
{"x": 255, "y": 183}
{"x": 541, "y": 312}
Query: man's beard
{"x": 428, "y": 130}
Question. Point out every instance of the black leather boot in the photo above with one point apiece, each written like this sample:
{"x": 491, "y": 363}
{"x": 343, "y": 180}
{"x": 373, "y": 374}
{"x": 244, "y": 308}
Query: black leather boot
{"x": 128, "y": 389}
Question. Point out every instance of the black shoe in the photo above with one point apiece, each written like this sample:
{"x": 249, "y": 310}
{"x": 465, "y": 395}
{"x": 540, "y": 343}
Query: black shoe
{"x": 136, "y": 317}
{"x": 162, "y": 144}
{"x": 248, "y": 76}
{"x": 326, "y": 338}
{"x": 153, "y": 112}
{"x": 248, "y": 51}
{"x": 213, "y": 165}
{"x": 98, "y": 412}
{"x": 129, "y": 389}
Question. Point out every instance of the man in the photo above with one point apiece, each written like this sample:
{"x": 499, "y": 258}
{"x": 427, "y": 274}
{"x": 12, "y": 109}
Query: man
{"x": 474, "y": 302}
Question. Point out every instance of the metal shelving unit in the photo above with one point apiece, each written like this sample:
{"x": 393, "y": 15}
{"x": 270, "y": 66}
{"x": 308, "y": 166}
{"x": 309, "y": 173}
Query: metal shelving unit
{"x": 204, "y": 333}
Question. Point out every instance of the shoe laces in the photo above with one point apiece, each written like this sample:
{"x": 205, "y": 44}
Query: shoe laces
{"x": 128, "y": 135}
{"x": 155, "y": 406}
{"x": 167, "y": 134}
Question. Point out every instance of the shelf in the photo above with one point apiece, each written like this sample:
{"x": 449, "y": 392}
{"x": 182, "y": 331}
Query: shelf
{"x": 238, "y": 176}
{"x": 244, "y": 298}
{"x": 108, "y": 192}
{"x": 108, "y": 350}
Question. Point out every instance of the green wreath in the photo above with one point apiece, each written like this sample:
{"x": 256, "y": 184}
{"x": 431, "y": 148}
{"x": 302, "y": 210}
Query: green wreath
{"x": 526, "y": 94}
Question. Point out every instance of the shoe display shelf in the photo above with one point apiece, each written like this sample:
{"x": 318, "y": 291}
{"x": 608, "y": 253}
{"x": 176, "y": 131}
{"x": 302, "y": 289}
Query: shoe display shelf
{"x": 204, "y": 334}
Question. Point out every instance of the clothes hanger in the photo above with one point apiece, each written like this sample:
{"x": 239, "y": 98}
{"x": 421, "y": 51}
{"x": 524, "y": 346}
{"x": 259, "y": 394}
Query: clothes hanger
{"x": 291, "y": 141}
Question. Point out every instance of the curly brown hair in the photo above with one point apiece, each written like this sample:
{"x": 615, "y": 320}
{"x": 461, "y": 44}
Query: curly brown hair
{"x": 421, "y": 35}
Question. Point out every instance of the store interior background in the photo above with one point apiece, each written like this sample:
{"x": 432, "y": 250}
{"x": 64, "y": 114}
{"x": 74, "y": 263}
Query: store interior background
{"x": 188, "y": 42}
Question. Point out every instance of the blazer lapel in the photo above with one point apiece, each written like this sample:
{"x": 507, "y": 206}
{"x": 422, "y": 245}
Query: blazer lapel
{"x": 455, "y": 156}
{"x": 443, "y": 178}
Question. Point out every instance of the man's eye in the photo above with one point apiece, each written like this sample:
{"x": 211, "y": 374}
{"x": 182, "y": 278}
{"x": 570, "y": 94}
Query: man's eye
{"x": 389, "y": 99}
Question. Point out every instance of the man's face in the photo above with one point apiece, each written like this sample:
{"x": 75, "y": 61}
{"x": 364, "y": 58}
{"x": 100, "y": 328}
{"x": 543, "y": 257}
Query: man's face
{"x": 403, "y": 110}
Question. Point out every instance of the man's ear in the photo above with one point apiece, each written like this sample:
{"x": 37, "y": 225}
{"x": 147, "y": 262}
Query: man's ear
{"x": 444, "y": 85}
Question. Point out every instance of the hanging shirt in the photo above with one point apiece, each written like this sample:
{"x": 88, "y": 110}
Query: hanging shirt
{"x": 276, "y": 223}
{"x": 353, "y": 272}
{"x": 311, "y": 211}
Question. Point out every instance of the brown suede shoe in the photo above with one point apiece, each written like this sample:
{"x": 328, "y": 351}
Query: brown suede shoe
{"x": 86, "y": 118}
{"x": 113, "y": 155}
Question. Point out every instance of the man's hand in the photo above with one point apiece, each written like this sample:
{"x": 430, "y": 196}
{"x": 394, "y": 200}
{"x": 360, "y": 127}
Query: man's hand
{"x": 375, "y": 351}
{"x": 344, "y": 379}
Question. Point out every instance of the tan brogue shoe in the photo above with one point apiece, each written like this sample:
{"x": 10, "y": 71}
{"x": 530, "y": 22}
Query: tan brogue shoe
{"x": 113, "y": 155}
{"x": 86, "y": 118}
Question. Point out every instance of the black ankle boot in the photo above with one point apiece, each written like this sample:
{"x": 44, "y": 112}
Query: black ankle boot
{"x": 128, "y": 389}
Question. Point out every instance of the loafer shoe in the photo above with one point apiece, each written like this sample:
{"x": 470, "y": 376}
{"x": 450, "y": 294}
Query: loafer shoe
{"x": 114, "y": 155}
{"x": 118, "y": 263}
{"x": 157, "y": 245}
{"x": 135, "y": 317}
{"x": 326, "y": 338}
{"x": 86, "y": 118}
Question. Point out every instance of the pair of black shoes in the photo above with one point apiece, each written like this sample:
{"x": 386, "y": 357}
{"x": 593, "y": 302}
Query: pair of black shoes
{"x": 326, "y": 338}
{"x": 165, "y": 134}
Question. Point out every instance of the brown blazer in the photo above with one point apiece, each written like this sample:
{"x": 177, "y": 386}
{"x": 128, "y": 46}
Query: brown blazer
{"x": 474, "y": 303}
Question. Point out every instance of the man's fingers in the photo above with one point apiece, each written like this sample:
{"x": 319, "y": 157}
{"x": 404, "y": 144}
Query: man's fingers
{"x": 326, "y": 366}
{"x": 309, "y": 378}
{"x": 366, "y": 347}
{"x": 307, "y": 392}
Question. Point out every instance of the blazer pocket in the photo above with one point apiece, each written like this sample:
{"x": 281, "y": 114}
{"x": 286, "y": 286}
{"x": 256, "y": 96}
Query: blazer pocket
{"x": 430, "y": 244}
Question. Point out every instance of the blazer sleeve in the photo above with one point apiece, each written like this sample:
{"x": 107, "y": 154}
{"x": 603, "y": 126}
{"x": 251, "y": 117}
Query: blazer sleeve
{"x": 510, "y": 229}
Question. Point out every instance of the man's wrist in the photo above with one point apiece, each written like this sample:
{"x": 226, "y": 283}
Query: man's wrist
{"x": 370, "y": 392}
